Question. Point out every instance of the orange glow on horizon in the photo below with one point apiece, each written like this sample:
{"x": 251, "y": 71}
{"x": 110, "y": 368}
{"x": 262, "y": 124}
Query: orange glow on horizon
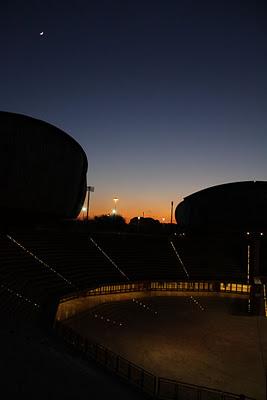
{"x": 134, "y": 204}
{"x": 163, "y": 215}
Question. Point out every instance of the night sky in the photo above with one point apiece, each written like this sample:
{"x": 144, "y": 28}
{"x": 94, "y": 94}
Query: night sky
{"x": 166, "y": 97}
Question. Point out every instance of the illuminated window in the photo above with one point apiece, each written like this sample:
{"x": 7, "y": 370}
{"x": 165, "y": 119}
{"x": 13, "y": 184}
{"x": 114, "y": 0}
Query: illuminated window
{"x": 239, "y": 288}
{"x": 233, "y": 287}
{"x": 172, "y": 285}
{"x": 246, "y": 288}
{"x": 222, "y": 287}
{"x": 228, "y": 287}
{"x": 191, "y": 285}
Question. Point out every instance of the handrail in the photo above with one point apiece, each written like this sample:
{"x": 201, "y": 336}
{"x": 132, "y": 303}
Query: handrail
{"x": 184, "y": 286}
{"x": 147, "y": 382}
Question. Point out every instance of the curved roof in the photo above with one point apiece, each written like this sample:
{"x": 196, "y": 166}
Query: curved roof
{"x": 42, "y": 168}
{"x": 237, "y": 205}
{"x": 9, "y": 119}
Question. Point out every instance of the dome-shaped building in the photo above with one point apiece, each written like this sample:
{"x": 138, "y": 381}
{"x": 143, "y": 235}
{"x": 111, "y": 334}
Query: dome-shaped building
{"x": 229, "y": 207}
{"x": 43, "y": 170}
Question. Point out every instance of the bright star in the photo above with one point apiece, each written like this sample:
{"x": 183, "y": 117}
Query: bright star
{"x": 41, "y": 33}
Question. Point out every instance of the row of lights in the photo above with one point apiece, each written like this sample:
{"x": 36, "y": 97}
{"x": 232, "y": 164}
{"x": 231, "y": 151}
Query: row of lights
{"x": 186, "y": 272}
{"x": 197, "y": 303}
{"x": 110, "y": 260}
{"x": 113, "y": 322}
{"x": 40, "y": 261}
{"x": 249, "y": 233}
{"x": 104, "y": 319}
{"x": 19, "y": 295}
{"x": 144, "y": 306}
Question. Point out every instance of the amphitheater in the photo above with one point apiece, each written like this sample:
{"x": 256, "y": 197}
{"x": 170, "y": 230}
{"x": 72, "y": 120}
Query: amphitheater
{"x": 127, "y": 315}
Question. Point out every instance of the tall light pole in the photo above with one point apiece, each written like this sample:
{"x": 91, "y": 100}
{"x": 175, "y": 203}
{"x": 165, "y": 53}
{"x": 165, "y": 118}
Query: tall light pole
{"x": 89, "y": 190}
{"x": 171, "y": 210}
{"x": 115, "y": 203}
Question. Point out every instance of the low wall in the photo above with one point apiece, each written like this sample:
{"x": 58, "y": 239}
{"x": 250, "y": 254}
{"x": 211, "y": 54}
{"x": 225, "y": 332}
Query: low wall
{"x": 79, "y": 303}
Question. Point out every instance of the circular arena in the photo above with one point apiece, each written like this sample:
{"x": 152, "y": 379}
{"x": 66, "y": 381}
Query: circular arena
{"x": 230, "y": 207}
{"x": 42, "y": 169}
{"x": 180, "y": 316}
{"x": 179, "y": 334}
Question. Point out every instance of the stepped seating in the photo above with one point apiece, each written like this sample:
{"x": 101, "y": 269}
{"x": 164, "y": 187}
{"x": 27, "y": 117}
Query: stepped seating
{"x": 73, "y": 256}
{"x": 25, "y": 285}
{"x": 38, "y": 267}
{"x": 141, "y": 257}
{"x": 22, "y": 271}
{"x": 213, "y": 258}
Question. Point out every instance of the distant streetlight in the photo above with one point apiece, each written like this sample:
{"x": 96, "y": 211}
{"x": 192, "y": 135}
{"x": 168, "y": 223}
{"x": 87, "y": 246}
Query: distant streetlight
{"x": 84, "y": 209}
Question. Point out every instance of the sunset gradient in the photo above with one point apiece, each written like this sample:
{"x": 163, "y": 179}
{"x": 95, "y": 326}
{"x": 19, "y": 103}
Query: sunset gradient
{"x": 165, "y": 97}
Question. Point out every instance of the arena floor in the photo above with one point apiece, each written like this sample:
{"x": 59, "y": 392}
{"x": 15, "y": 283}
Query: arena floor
{"x": 206, "y": 340}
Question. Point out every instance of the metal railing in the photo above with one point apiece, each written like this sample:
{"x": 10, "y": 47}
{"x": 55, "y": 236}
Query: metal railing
{"x": 67, "y": 309}
{"x": 123, "y": 368}
{"x": 155, "y": 387}
{"x": 168, "y": 389}
{"x": 183, "y": 286}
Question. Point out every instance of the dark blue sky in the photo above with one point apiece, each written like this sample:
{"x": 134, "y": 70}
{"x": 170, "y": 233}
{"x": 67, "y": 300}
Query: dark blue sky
{"x": 166, "y": 97}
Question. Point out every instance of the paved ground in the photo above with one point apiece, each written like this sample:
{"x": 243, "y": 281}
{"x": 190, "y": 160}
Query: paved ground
{"x": 36, "y": 366}
{"x": 205, "y": 340}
